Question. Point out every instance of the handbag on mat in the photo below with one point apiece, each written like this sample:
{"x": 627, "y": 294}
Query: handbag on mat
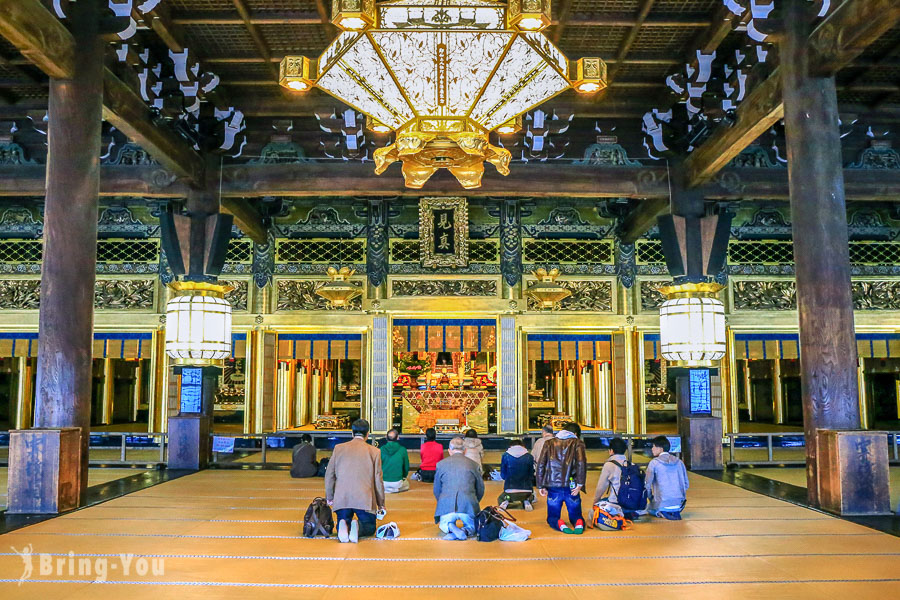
{"x": 490, "y": 521}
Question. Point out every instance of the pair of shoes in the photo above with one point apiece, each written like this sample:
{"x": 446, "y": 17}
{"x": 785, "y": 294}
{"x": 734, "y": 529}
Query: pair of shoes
{"x": 528, "y": 506}
{"x": 458, "y": 532}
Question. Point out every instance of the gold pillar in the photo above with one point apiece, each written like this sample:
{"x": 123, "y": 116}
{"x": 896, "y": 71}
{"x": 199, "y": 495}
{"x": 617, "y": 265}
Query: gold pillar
{"x": 157, "y": 415}
{"x": 136, "y": 396}
{"x": 634, "y": 381}
{"x": 558, "y": 389}
{"x": 329, "y": 390}
{"x": 777, "y": 392}
{"x": 571, "y": 396}
{"x": 605, "y": 397}
{"x": 863, "y": 393}
{"x": 24, "y": 394}
{"x": 748, "y": 391}
{"x": 262, "y": 397}
{"x": 301, "y": 394}
{"x": 106, "y": 399}
{"x": 728, "y": 367}
{"x": 283, "y": 401}
{"x": 316, "y": 393}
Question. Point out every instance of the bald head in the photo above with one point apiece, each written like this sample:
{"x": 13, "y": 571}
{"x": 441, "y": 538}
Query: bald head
{"x": 457, "y": 445}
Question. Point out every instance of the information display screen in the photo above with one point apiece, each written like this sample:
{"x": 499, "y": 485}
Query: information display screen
{"x": 700, "y": 396}
{"x": 191, "y": 390}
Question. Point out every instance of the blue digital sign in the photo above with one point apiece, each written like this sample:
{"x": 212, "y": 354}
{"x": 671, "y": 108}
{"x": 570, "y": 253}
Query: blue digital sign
{"x": 700, "y": 397}
{"x": 191, "y": 390}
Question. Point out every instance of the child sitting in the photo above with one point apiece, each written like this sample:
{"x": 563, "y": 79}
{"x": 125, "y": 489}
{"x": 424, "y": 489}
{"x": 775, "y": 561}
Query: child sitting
{"x": 666, "y": 481}
{"x": 517, "y": 470}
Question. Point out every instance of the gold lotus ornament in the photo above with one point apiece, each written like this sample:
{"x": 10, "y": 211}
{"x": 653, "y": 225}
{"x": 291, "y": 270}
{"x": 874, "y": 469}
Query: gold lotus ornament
{"x": 339, "y": 291}
{"x": 443, "y": 75}
{"x": 545, "y": 290}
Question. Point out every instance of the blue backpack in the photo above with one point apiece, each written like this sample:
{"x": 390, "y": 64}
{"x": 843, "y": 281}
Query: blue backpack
{"x": 631, "y": 495}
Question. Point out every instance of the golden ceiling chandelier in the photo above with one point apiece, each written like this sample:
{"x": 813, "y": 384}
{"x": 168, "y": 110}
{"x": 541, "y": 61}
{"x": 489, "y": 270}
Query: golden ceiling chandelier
{"x": 442, "y": 74}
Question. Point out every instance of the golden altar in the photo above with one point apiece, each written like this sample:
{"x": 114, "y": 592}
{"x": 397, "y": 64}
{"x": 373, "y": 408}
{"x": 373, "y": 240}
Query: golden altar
{"x": 448, "y": 411}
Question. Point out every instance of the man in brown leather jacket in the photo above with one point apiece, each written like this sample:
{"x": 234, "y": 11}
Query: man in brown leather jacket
{"x": 561, "y": 475}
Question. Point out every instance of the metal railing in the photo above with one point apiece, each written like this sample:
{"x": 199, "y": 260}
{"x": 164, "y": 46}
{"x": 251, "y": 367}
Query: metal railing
{"x": 115, "y": 448}
{"x": 782, "y": 448}
{"x": 272, "y": 449}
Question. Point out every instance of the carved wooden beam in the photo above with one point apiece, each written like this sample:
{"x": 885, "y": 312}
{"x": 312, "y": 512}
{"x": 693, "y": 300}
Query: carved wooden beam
{"x": 838, "y": 39}
{"x": 246, "y": 217}
{"x": 38, "y": 35}
{"x": 641, "y": 218}
{"x": 340, "y": 179}
{"x": 124, "y": 109}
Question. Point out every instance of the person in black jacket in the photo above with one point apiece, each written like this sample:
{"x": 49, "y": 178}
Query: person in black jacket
{"x": 303, "y": 458}
{"x": 517, "y": 470}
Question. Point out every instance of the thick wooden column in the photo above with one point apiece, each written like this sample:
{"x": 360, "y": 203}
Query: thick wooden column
{"x": 819, "y": 216}
{"x": 70, "y": 236}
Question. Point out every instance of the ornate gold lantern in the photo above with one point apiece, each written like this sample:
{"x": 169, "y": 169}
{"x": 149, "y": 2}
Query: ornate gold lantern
{"x": 692, "y": 324}
{"x": 339, "y": 291}
{"x": 529, "y": 15}
{"x": 588, "y": 75}
{"x": 353, "y": 15}
{"x": 296, "y": 74}
{"x": 443, "y": 74}
{"x": 198, "y": 323}
{"x": 546, "y": 290}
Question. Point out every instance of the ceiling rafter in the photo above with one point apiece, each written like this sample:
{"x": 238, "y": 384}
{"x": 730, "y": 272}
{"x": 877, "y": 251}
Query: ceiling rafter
{"x": 261, "y": 46}
{"x": 630, "y": 37}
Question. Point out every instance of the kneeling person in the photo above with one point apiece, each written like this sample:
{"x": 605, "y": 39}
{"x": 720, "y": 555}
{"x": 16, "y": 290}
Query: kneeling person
{"x": 394, "y": 464}
{"x": 517, "y": 470}
{"x": 458, "y": 488}
{"x": 666, "y": 481}
{"x": 354, "y": 484}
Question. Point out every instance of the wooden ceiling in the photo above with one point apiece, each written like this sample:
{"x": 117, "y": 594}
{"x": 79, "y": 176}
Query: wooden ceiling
{"x": 642, "y": 40}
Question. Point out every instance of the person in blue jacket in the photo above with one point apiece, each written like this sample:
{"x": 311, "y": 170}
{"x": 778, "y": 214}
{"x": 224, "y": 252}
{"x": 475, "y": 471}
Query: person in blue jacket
{"x": 517, "y": 471}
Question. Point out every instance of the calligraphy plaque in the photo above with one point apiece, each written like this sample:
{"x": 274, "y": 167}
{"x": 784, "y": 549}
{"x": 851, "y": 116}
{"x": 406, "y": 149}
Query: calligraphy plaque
{"x": 444, "y": 232}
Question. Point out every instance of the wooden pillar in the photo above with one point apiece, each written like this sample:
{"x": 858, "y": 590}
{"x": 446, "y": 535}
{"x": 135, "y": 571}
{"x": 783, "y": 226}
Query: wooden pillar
{"x": 777, "y": 393}
{"x": 66, "y": 317}
{"x": 819, "y": 216}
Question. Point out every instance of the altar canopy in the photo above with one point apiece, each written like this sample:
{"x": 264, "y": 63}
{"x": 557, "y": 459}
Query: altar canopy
{"x": 557, "y": 346}
{"x": 320, "y": 346}
{"x": 445, "y": 335}
{"x": 106, "y": 345}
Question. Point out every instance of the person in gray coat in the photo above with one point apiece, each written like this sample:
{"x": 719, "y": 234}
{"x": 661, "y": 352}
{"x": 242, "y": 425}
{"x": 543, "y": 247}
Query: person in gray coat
{"x": 666, "y": 481}
{"x": 458, "y": 487}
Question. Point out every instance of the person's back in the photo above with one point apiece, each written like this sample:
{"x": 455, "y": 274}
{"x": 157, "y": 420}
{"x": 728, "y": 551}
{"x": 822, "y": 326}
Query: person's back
{"x": 474, "y": 449}
{"x": 517, "y": 471}
{"x": 537, "y": 448}
{"x": 303, "y": 458}
{"x": 666, "y": 481}
{"x": 611, "y": 475}
{"x": 430, "y": 453}
{"x": 394, "y": 464}
{"x": 354, "y": 484}
{"x": 561, "y": 476}
{"x": 458, "y": 489}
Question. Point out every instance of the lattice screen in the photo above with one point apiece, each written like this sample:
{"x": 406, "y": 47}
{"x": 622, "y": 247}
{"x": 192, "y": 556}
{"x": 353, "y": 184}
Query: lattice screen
{"x": 321, "y": 251}
{"x": 567, "y": 251}
{"x": 239, "y": 251}
{"x": 127, "y": 251}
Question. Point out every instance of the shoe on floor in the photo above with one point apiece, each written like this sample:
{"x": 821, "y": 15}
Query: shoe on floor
{"x": 528, "y": 506}
{"x": 343, "y": 534}
{"x": 579, "y": 527}
{"x": 504, "y": 505}
{"x": 354, "y": 532}
{"x": 458, "y": 533}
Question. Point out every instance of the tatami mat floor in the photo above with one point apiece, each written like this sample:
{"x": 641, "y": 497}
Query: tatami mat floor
{"x": 235, "y": 534}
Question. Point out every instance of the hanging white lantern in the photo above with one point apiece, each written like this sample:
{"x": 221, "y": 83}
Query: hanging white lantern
{"x": 198, "y": 323}
{"x": 692, "y": 324}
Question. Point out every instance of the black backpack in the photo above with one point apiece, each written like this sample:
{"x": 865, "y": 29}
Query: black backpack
{"x": 323, "y": 466}
{"x": 318, "y": 519}
{"x": 489, "y": 522}
{"x": 631, "y": 495}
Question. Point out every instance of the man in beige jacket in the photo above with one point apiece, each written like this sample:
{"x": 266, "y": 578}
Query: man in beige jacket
{"x": 354, "y": 485}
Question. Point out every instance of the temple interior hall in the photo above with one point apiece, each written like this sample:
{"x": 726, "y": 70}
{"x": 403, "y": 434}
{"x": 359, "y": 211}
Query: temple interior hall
{"x": 237, "y": 236}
